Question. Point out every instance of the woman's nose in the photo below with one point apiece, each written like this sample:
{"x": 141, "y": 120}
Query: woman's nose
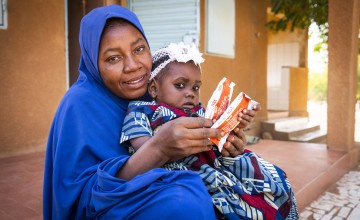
{"x": 131, "y": 64}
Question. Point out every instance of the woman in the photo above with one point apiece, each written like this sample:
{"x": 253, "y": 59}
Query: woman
{"x": 87, "y": 173}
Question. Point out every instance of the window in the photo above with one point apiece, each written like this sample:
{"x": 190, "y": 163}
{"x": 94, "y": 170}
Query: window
{"x": 168, "y": 21}
{"x": 3, "y": 14}
{"x": 220, "y": 27}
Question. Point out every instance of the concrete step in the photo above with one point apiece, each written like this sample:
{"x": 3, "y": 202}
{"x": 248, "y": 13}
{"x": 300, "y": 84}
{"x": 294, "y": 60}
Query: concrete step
{"x": 272, "y": 114}
{"x": 299, "y": 129}
{"x": 275, "y": 124}
{"x": 293, "y": 129}
{"x": 318, "y": 136}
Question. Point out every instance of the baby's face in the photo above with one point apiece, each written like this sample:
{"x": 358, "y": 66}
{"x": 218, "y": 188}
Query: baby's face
{"x": 180, "y": 86}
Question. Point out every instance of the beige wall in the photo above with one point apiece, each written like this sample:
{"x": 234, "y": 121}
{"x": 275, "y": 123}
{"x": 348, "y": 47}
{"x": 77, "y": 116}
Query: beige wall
{"x": 33, "y": 67}
{"x": 33, "y": 73}
{"x": 248, "y": 68}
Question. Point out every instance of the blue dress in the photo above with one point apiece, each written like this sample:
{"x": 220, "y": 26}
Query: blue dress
{"x": 83, "y": 152}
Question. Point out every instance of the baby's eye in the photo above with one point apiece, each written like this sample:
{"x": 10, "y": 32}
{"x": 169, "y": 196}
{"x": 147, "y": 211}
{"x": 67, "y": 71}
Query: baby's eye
{"x": 196, "y": 88}
{"x": 179, "y": 85}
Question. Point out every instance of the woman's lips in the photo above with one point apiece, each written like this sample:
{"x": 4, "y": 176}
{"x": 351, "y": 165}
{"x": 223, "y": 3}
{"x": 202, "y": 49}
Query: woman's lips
{"x": 136, "y": 80}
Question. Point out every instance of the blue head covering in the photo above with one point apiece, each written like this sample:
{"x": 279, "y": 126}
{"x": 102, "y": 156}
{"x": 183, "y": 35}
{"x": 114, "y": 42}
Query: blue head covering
{"x": 83, "y": 151}
{"x": 86, "y": 128}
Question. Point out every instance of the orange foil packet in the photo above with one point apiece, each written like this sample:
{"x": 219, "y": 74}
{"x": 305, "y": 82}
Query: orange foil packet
{"x": 220, "y": 99}
{"x": 229, "y": 119}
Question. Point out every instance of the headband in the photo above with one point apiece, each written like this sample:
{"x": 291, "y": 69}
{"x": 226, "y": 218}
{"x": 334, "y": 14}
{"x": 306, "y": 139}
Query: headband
{"x": 174, "y": 52}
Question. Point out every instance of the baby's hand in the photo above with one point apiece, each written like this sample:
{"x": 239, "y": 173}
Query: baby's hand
{"x": 246, "y": 116}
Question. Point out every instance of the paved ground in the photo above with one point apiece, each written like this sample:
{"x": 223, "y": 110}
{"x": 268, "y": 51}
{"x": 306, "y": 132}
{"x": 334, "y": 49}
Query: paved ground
{"x": 341, "y": 201}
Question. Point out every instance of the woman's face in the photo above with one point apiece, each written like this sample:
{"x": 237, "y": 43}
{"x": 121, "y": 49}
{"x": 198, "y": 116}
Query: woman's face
{"x": 124, "y": 61}
{"x": 179, "y": 87}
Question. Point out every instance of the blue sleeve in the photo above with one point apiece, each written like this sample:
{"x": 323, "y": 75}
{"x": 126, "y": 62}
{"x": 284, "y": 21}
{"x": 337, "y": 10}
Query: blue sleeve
{"x": 136, "y": 124}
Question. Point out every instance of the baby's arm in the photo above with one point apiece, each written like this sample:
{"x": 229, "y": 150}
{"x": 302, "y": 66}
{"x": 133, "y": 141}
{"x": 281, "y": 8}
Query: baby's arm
{"x": 136, "y": 143}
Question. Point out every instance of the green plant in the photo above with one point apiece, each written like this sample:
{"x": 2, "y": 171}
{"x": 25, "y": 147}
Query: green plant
{"x": 299, "y": 14}
{"x": 317, "y": 85}
{"x": 358, "y": 79}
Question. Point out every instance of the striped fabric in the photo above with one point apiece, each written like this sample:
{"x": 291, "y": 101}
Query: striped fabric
{"x": 242, "y": 187}
{"x": 246, "y": 187}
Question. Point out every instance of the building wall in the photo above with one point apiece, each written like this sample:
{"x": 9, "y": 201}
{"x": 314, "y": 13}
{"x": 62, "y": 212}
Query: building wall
{"x": 33, "y": 73}
{"x": 248, "y": 68}
{"x": 33, "y": 67}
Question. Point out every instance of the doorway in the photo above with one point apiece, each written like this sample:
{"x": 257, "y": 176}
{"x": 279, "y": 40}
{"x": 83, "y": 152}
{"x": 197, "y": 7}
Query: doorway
{"x": 76, "y": 10}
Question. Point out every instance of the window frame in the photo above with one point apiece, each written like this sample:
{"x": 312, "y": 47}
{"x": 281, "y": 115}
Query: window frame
{"x": 3, "y": 14}
{"x": 220, "y": 18}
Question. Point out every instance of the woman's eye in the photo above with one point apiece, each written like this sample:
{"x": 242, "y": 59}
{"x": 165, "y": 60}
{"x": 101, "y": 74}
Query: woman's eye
{"x": 139, "y": 49}
{"x": 113, "y": 59}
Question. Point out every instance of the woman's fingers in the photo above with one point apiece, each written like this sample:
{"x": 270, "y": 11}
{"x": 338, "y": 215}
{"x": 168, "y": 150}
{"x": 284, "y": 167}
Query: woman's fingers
{"x": 184, "y": 136}
{"x": 195, "y": 122}
{"x": 196, "y": 128}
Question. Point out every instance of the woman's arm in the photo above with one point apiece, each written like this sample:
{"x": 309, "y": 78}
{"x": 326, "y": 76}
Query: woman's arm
{"x": 175, "y": 139}
{"x": 136, "y": 143}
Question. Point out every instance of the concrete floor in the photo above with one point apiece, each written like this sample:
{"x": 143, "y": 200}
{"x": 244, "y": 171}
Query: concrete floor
{"x": 21, "y": 187}
{"x": 311, "y": 168}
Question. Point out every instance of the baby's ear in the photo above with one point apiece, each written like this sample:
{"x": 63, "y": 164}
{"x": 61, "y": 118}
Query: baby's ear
{"x": 152, "y": 89}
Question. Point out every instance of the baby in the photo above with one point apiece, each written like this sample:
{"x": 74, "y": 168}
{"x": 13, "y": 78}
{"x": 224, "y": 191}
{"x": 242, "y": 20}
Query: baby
{"x": 245, "y": 186}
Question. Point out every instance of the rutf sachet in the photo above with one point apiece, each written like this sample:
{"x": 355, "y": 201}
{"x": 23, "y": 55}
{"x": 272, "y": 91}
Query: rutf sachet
{"x": 224, "y": 113}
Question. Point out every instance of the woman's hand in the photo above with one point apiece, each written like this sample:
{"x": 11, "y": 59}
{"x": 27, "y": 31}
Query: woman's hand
{"x": 184, "y": 136}
{"x": 236, "y": 141}
{"x": 174, "y": 140}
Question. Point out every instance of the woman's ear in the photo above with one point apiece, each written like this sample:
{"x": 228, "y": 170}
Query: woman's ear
{"x": 152, "y": 89}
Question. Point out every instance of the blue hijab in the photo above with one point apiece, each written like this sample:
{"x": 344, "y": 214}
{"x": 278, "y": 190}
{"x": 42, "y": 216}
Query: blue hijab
{"x": 83, "y": 151}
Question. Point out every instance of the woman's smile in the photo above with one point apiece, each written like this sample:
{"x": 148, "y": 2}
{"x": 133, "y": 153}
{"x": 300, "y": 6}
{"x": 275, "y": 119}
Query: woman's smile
{"x": 137, "y": 80}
